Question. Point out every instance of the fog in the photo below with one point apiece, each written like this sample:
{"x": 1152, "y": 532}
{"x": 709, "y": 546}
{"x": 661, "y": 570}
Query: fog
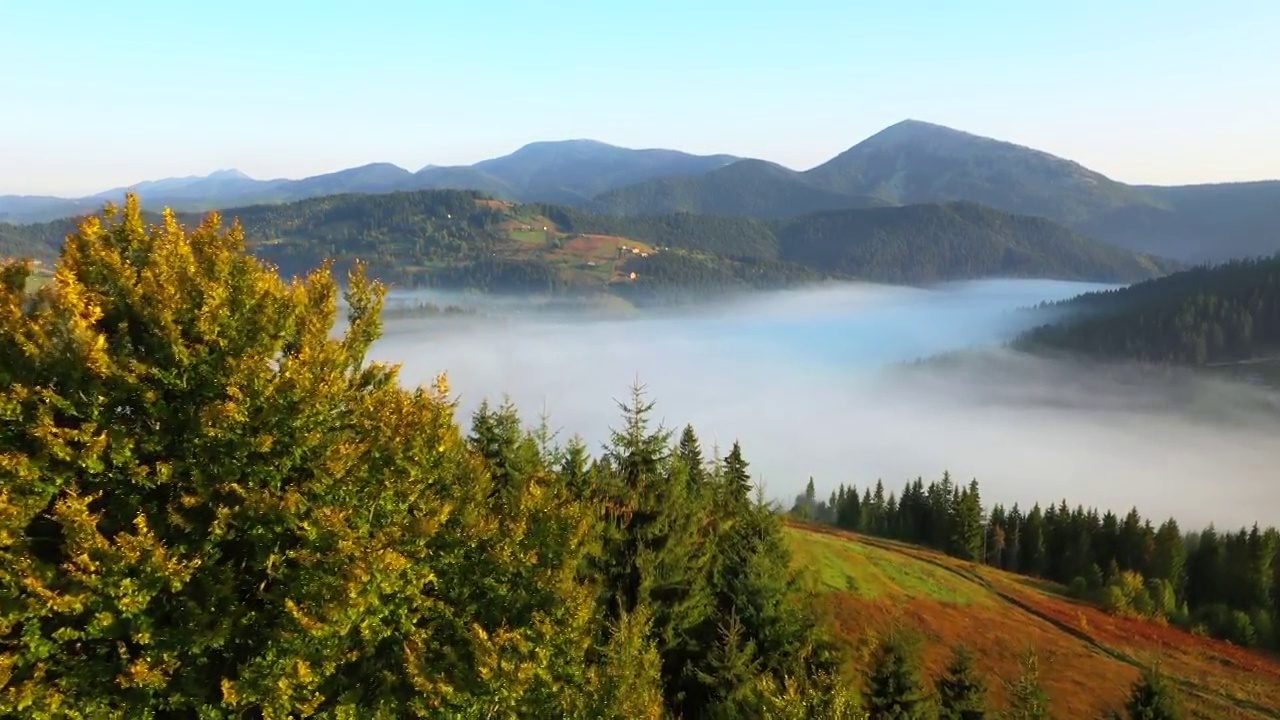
{"x": 814, "y": 384}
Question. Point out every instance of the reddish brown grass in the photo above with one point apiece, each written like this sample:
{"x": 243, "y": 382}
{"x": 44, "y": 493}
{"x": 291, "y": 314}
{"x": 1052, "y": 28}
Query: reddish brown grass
{"x": 1088, "y": 658}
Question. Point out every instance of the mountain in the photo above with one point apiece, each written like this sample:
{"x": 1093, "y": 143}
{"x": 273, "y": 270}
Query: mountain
{"x": 749, "y": 188}
{"x": 371, "y": 178}
{"x": 16, "y": 209}
{"x": 914, "y": 162}
{"x": 911, "y": 162}
{"x": 574, "y": 171}
{"x": 933, "y": 242}
{"x": 1200, "y": 223}
{"x": 566, "y": 172}
{"x": 219, "y": 184}
{"x": 1206, "y": 315}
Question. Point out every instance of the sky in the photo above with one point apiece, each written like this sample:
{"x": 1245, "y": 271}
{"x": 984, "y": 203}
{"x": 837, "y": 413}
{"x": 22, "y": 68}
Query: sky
{"x": 97, "y": 95}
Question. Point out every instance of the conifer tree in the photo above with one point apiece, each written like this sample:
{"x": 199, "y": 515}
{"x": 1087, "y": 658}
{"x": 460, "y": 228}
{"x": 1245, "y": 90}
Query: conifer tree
{"x": 967, "y": 525}
{"x": 1170, "y": 556}
{"x": 690, "y": 453}
{"x": 962, "y": 693}
{"x": 1027, "y": 698}
{"x": 1151, "y": 698}
{"x": 737, "y": 476}
{"x": 894, "y": 690}
{"x": 656, "y": 548}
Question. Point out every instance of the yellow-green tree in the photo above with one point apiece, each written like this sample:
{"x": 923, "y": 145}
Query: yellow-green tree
{"x": 211, "y": 506}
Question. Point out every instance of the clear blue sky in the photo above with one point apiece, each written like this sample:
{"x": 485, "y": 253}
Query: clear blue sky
{"x": 97, "y": 94}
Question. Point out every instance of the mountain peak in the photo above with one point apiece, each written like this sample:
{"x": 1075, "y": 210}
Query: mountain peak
{"x": 911, "y": 130}
{"x": 227, "y": 174}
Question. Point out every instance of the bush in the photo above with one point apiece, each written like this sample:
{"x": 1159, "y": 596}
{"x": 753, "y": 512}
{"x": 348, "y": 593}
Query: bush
{"x": 1240, "y": 629}
{"x": 1264, "y": 628}
{"x": 1079, "y": 588}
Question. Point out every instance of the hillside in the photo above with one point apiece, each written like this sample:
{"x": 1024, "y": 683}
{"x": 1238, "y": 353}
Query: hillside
{"x": 463, "y": 239}
{"x": 460, "y": 239}
{"x": 1202, "y": 223}
{"x": 1202, "y": 316}
{"x": 926, "y": 243}
{"x": 749, "y": 188}
{"x": 1088, "y": 658}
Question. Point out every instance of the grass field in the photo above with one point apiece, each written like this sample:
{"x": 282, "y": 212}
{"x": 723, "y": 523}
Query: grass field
{"x": 1088, "y": 659}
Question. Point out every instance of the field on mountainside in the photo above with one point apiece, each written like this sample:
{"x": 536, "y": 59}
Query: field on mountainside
{"x": 1087, "y": 658}
{"x": 578, "y": 257}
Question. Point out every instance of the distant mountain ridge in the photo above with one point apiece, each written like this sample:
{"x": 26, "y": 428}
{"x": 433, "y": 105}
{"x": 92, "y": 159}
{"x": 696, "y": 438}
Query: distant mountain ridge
{"x": 910, "y": 162}
{"x": 567, "y": 172}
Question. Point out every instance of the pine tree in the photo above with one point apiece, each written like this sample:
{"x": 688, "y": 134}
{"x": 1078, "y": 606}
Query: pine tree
{"x": 657, "y": 549}
{"x": 1152, "y": 699}
{"x": 1034, "y": 560}
{"x": 737, "y": 475}
{"x": 962, "y": 693}
{"x": 967, "y": 525}
{"x": 894, "y": 690}
{"x": 1027, "y": 699}
{"x": 1170, "y": 556}
{"x": 690, "y": 453}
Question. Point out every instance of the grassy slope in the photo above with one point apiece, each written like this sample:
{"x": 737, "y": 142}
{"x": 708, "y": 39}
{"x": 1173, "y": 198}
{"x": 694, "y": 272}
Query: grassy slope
{"x": 571, "y": 253}
{"x": 1088, "y": 658}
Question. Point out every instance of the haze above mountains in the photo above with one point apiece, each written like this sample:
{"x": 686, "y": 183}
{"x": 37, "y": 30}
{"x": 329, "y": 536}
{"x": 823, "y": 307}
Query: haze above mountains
{"x": 911, "y": 162}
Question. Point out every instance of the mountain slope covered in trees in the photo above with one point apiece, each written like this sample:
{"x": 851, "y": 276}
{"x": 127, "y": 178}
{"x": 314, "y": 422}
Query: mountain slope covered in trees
{"x": 916, "y": 162}
{"x": 1204, "y": 315}
{"x": 926, "y": 243}
{"x": 747, "y": 188}
{"x": 463, "y": 239}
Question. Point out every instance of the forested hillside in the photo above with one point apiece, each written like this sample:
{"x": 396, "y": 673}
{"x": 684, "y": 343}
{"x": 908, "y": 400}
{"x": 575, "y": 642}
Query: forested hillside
{"x": 463, "y": 239}
{"x": 747, "y": 188}
{"x": 1205, "y": 315}
{"x": 915, "y": 162}
{"x": 925, "y": 243}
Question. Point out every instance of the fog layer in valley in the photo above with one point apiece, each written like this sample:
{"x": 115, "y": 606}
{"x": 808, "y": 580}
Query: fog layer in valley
{"x": 813, "y": 384}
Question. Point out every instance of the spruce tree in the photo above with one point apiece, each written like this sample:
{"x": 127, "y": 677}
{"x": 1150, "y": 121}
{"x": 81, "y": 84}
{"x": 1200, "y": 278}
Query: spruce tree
{"x": 962, "y": 692}
{"x": 894, "y": 690}
{"x": 690, "y": 453}
{"x": 737, "y": 476}
{"x": 1151, "y": 698}
{"x": 1027, "y": 698}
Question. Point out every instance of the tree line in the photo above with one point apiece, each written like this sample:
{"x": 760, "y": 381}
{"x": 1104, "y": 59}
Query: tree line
{"x": 1226, "y": 584}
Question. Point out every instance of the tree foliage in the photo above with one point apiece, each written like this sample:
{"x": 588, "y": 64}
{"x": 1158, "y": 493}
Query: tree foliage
{"x": 212, "y": 506}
